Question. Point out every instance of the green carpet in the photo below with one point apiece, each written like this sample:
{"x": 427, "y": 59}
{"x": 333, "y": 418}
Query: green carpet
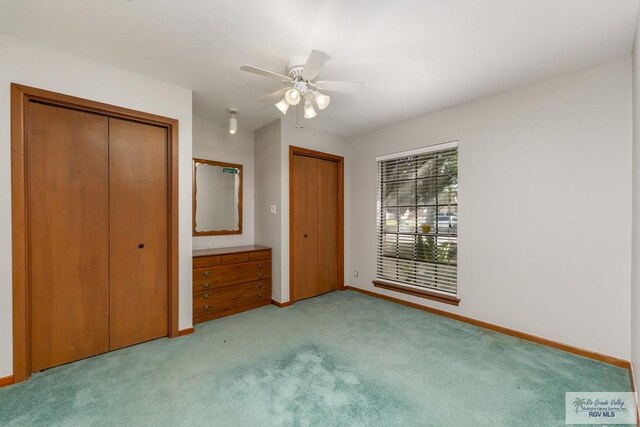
{"x": 343, "y": 359}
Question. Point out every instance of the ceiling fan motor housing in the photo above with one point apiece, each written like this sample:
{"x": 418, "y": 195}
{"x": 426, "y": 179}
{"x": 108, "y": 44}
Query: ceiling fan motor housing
{"x": 295, "y": 66}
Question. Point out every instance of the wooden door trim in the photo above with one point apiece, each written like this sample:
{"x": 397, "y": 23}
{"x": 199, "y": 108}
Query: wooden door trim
{"x": 20, "y": 97}
{"x": 299, "y": 151}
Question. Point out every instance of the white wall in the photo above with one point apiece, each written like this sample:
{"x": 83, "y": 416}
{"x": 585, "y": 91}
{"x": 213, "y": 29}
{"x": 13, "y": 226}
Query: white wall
{"x": 44, "y": 68}
{"x": 214, "y": 142}
{"x": 545, "y": 206}
{"x": 267, "y": 192}
{"x": 635, "y": 255}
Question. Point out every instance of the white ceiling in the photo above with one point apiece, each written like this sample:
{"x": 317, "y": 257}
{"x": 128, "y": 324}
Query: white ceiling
{"x": 414, "y": 56}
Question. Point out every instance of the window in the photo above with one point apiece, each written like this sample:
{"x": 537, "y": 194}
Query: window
{"x": 418, "y": 218}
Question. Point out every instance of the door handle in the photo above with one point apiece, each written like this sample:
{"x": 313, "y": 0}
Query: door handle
{"x": 141, "y": 245}
{"x": 305, "y": 236}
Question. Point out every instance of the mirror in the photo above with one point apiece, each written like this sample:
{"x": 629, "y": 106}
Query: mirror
{"x": 217, "y": 198}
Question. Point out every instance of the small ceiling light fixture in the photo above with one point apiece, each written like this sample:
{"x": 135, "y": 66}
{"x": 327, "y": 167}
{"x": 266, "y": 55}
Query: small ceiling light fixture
{"x": 233, "y": 122}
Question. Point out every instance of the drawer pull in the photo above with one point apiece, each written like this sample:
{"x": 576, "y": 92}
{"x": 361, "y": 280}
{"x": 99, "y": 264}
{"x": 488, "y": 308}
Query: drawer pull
{"x": 206, "y": 273}
{"x": 260, "y": 285}
{"x": 259, "y": 275}
{"x": 206, "y": 285}
{"x": 206, "y": 296}
{"x": 260, "y": 294}
{"x": 206, "y": 308}
{"x": 260, "y": 265}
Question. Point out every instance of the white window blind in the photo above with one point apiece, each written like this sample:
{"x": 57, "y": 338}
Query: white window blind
{"x": 418, "y": 218}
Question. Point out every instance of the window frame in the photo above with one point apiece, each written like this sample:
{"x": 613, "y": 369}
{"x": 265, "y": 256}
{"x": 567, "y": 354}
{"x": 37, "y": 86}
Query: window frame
{"x": 423, "y": 291}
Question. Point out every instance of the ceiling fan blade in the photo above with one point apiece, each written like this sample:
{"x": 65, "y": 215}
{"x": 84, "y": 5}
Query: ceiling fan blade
{"x": 265, "y": 73}
{"x": 316, "y": 61}
{"x": 335, "y": 86}
{"x": 273, "y": 96}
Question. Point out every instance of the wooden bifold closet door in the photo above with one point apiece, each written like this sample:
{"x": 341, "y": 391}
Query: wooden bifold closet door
{"x": 68, "y": 198}
{"x": 138, "y": 230}
{"x": 314, "y": 226}
{"x": 98, "y": 225}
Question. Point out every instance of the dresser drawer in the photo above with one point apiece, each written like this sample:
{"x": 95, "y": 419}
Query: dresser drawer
{"x": 206, "y": 261}
{"x": 207, "y": 287}
{"x": 225, "y": 275}
{"x": 234, "y": 258}
{"x": 222, "y": 299}
{"x": 254, "y": 256}
{"x": 201, "y": 316}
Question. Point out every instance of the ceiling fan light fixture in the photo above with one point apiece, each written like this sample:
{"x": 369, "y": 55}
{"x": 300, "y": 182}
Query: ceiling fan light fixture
{"x": 283, "y": 106}
{"x": 322, "y": 100}
{"x": 292, "y": 96}
{"x": 309, "y": 111}
{"x": 300, "y": 85}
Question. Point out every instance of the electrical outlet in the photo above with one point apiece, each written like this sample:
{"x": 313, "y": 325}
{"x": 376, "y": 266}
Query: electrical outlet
{"x": 355, "y": 273}
{"x": 273, "y": 210}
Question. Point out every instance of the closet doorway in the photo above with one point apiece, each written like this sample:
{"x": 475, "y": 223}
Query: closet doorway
{"x": 94, "y": 204}
{"x": 316, "y": 223}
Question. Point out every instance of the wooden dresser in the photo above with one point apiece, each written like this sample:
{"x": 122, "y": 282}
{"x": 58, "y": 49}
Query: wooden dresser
{"x": 230, "y": 280}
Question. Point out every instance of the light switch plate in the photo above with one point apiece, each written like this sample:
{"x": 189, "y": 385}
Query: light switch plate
{"x": 273, "y": 210}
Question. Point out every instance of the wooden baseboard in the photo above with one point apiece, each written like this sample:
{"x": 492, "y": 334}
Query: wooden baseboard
{"x": 187, "y": 331}
{"x": 611, "y": 360}
{"x": 281, "y": 304}
{"x": 5, "y": 381}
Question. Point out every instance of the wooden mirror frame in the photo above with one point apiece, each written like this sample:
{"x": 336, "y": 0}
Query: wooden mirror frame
{"x": 194, "y": 203}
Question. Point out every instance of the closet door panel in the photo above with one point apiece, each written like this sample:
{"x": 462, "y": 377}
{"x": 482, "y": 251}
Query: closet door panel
{"x": 305, "y": 227}
{"x": 68, "y": 221}
{"x": 327, "y": 226}
{"x": 139, "y": 222}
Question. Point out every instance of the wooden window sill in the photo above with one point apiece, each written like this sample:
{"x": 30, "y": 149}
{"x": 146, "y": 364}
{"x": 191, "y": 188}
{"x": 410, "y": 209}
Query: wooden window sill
{"x": 422, "y": 293}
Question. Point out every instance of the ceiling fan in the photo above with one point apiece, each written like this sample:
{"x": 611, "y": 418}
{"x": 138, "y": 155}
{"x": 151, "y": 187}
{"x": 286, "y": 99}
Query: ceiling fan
{"x": 299, "y": 84}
